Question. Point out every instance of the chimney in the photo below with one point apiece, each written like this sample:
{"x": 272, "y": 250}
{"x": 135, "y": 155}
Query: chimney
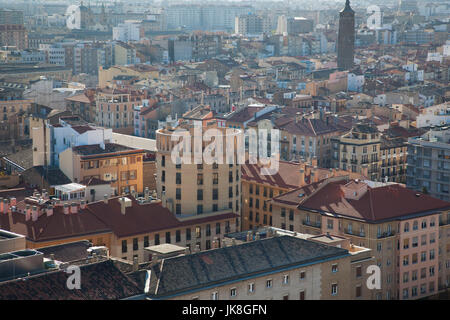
{"x": 49, "y": 210}
{"x": 13, "y": 201}
{"x": 124, "y": 204}
{"x": 34, "y": 213}
{"x": 83, "y": 204}
{"x": 314, "y": 175}
{"x": 66, "y": 208}
{"x": 73, "y": 208}
{"x": 302, "y": 177}
{"x": 105, "y": 199}
{"x": 163, "y": 199}
{"x": 136, "y": 264}
{"x": 27, "y": 212}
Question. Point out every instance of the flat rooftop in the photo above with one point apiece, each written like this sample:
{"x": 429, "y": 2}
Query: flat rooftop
{"x": 165, "y": 248}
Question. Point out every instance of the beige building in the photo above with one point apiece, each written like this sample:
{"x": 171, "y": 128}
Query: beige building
{"x": 115, "y": 108}
{"x": 405, "y": 229}
{"x": 281, "y": 267}
{"x": 195, "y": 189}
{"x": 358, "y": 151}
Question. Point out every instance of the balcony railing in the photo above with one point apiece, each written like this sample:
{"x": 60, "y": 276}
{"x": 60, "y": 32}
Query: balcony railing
{"x": 385, "y": 234}
{"x": 355, "y": 233}
{"x": 353, "y": 161}
{"x": 315, "y": 224}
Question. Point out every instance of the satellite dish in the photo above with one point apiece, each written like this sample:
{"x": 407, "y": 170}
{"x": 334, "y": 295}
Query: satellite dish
{"x": 73, "y": 17}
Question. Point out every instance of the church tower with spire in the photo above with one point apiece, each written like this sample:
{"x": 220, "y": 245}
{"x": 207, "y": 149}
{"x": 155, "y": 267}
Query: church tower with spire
{"x": 346, "y": 38}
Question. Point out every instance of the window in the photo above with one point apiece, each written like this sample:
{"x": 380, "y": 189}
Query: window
{"x": 251, "y": 287}
{"x": 302, "y": 275}
{"x": 163, "y": 176}
{"x": 200, "y": 179}
{"x": 230, "y": 192}
{"x": 188, "y": 234}
{"x": 405, "y": 277}
{"x": 233, "y": 292}
{"x": 177, "y": 236}
{"x": 208, "y": 230}
{"x": 146, "y": 241}
{"x": 178, "y": 178}
{"x": 358, "y": 271}
{"x": 215, "y": 178}
{"x": 358, "y": 291}
{"x": 218, "y": 228}
{"x": 135, "y": 244}
{"x": 330, "y": 224}
{"x": 198, "y": 232}
{"x": 215, "y": 295}
{"x": 124, "y": 246}
{"x": 334, "y": 268}
{"x": 406, "y": 229}
{"x": 199, "y": 209}
{"x": 215, "y": 195}
{"x": 156, "y": 239}
{"x": 269, "y": 283}
{"x": 167, "y": 237}
{"x": 199, "y": 194}
{"x": 334, "y": 289}
{"x": 406, "y": 260}
{"x": 424, "y": 224}
{"x": 302, "y": 295}
{"x": 286, "y": 279}
{"x": 414, "y": 275}
{"x": 178, "y": 194}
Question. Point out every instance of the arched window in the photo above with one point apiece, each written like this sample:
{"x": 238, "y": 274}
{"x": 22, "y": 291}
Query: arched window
{"x": 415, "y": 225}
{"x": 406, "y": 227}
{"x": 424, "y": 224}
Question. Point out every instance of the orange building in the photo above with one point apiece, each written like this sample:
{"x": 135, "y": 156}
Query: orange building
{"x": 258, "y": 189}
{"x": 121, "y": 165}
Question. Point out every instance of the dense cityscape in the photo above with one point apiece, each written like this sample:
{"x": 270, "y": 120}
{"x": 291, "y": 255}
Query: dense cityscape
{"x": 317, "y": 134}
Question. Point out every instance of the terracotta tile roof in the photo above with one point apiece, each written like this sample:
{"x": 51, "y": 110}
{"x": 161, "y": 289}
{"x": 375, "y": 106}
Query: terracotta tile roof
{"x": 243, "y": 115}
{"x": 93, "y": 182}
{"x": 57, "y": 226}
{"x": 145, "y": 218}
{"x": 381, "y": 203}
{"x": 100, "y": 281}
{"x": 79, "y": 98}
{"x": 310, "y": 127}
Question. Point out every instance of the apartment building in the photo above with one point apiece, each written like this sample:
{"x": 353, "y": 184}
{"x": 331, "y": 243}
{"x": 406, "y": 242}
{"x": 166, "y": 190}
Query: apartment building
{"x": 121, "y": 165}
{"x": 218, "y": 183}
{"x": 358, "y": 151}
{"x": 306, "y": 137}
{"x": 429, "y": 163}
{"x": 284, "y": 267}
{"x": 401, "y": 226}
{"x": 259, "y": 189}
{"x": 69, "y": 132}
{"x": 115, "y": 108}
{"x": 125, "y": 225}
{"x": 393, "y": 152}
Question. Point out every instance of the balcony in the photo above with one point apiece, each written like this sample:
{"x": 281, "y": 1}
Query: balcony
{"x": 353, "y": 161}
{"x": 316, "y": 224}
{"x": 344, "y": 160}
{"x": 385, "y": 234}
{"x": 355, "y": 233}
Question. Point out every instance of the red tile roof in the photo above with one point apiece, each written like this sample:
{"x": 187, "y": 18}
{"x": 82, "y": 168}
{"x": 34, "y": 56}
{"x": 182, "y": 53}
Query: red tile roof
{"x": 381, "y": 203}
{"x": 145, "y": 218}
{"x": 57, "y": 226}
